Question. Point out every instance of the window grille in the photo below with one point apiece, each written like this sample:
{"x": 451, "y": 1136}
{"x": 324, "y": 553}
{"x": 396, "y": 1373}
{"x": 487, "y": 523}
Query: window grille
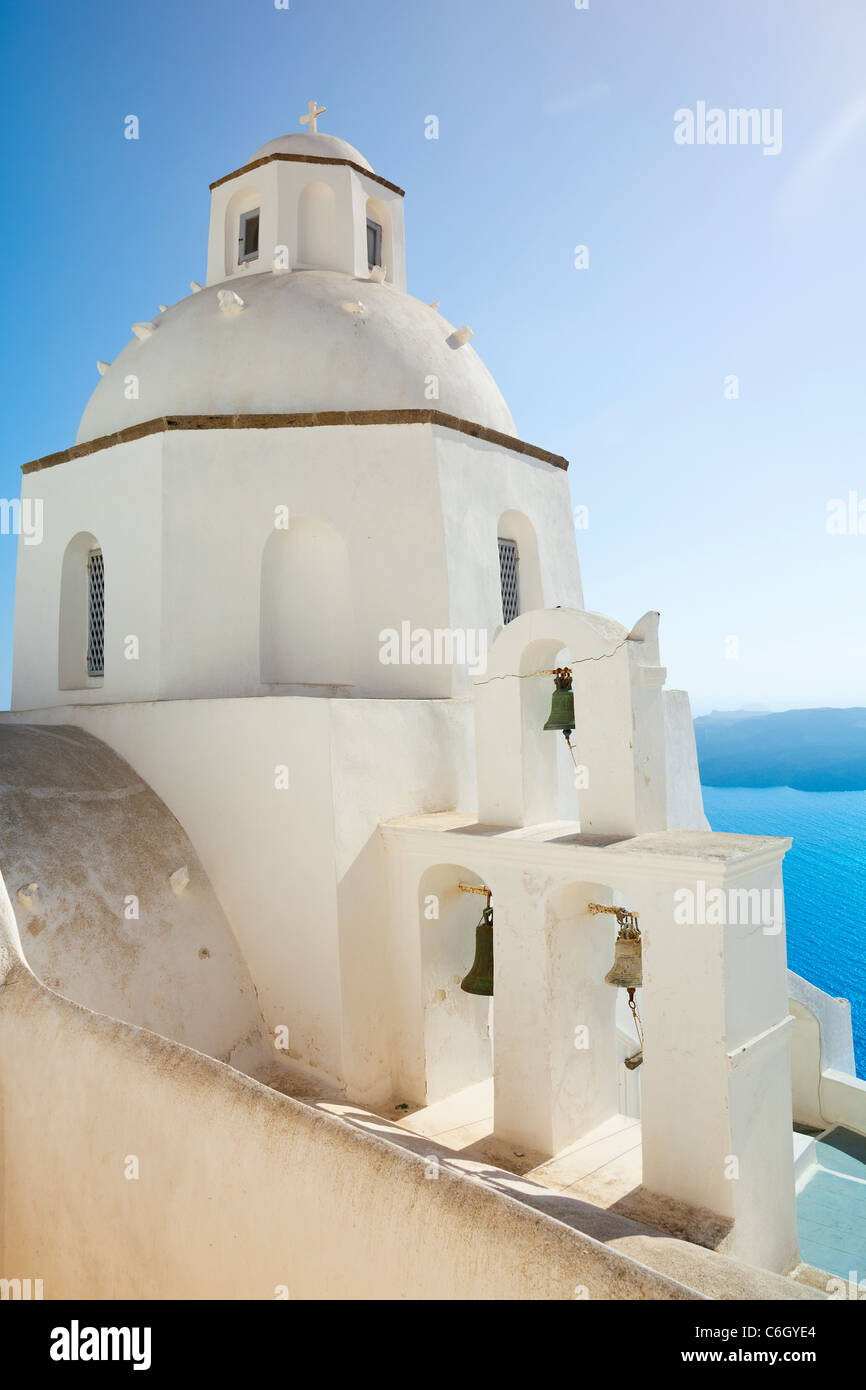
{"x": 508, "y": 561}
{"x": 374, "y": 243}
{"x": 95, "y": 614}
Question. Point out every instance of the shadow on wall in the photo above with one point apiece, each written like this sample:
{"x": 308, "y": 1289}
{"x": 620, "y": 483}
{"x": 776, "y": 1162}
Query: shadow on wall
{"x": 88, "y": 854}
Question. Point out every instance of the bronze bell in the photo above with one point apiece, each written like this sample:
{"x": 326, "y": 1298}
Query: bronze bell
{"x": 626, "y": 972}
{"x": 480, "y": 977}
{"x": 562, "y": 705}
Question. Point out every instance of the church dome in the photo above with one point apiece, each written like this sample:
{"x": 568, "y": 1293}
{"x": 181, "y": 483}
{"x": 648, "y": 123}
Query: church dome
{"x": 304, "y": 341}
{"x": 320, "y": 144}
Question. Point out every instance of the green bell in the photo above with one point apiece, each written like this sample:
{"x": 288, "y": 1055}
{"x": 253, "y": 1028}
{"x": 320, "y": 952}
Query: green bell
{"x": 562, "y": 706}
{"x": 480, "y": 977}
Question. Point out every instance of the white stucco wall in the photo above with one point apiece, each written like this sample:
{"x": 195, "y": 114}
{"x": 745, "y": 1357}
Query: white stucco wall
{"x": 685, "y": 802}
{"x": 183, "y": 519}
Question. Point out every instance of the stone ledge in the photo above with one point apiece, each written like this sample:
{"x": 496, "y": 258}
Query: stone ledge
{"x": 309, "y": 159}
{"x": 164, "y": 423}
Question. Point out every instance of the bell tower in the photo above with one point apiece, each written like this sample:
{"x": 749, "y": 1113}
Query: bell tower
{"x": 308, "y": 201}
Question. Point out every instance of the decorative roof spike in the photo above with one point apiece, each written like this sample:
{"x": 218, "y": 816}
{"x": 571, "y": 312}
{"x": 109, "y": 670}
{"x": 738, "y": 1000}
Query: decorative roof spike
{"x": 179, "y": 880}
{"x": 460, "y": 336}
{"x": 143, "y": 330}
{"x": 195, "y": 286}
{"x": 102, "y": 367}
{"x": 28, "y": 896}
{"x": 229, "y": 302}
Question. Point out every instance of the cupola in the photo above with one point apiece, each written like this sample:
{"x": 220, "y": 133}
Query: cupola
{"x": 308, "y": 201}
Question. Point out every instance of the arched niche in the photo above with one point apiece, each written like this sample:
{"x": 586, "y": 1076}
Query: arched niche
{"x": 457, "y": 1026}
{"x": 246, "y": 199}
{"x": 379, "y": 213}
{"x": 516, "y": 527}
{"x": 75, "y": 617}
{"x": 306, "y": 634}
{"x": 317, "y": 226}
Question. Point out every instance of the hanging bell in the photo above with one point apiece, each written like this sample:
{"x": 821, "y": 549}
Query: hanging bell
{"x": 562, "y": 705}
{"x": 480, "y": 977}
{"x": 626, "y": 972}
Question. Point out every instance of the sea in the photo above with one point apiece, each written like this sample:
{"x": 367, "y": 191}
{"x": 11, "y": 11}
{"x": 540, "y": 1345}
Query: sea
{"x": 825, "y": 882}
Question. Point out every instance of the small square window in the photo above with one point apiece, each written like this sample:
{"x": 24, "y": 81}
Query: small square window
{"x": 374, "y": 243}
{"x": 248, "y": 237}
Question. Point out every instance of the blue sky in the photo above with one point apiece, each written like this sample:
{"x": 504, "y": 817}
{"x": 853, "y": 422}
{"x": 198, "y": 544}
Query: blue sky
{"x": 555, "y": 130}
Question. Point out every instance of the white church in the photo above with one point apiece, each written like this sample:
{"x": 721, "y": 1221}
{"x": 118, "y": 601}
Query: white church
{"x": 327, "y": 970}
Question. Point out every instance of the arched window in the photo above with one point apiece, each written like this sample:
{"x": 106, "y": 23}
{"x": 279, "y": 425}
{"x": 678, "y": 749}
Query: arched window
{"x": 82, "y": 614}
{"x": 306, "y": 631}
{"x": 519, "y": 574}
{"x": 317, "y": 226}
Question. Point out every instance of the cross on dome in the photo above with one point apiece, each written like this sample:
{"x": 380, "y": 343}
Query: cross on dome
{"x": 310, "y": 119}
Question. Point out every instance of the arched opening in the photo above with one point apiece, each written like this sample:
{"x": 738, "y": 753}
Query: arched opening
{"x": 512, "y": 706}
{"x": 548, "y": 764}
{"x": 306, "y": 633}
{"x": 81, "y": 647}
{"x": 592, "y": 1094}
{"x": 457, "y": 1026}
{"x": 519, "y": 571}
{"x": 242, "y": 229}
{"x": 379, "y": 237}
{"x": 317, "y": 227}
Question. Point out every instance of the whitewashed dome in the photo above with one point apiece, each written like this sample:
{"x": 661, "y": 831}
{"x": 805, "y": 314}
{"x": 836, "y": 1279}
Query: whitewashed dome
{"x": 320, "y": 144}
{"x": 306, "y": 341}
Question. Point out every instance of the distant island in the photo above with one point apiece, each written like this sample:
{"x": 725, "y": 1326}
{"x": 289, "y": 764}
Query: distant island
{"x": 814, "y": 750}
